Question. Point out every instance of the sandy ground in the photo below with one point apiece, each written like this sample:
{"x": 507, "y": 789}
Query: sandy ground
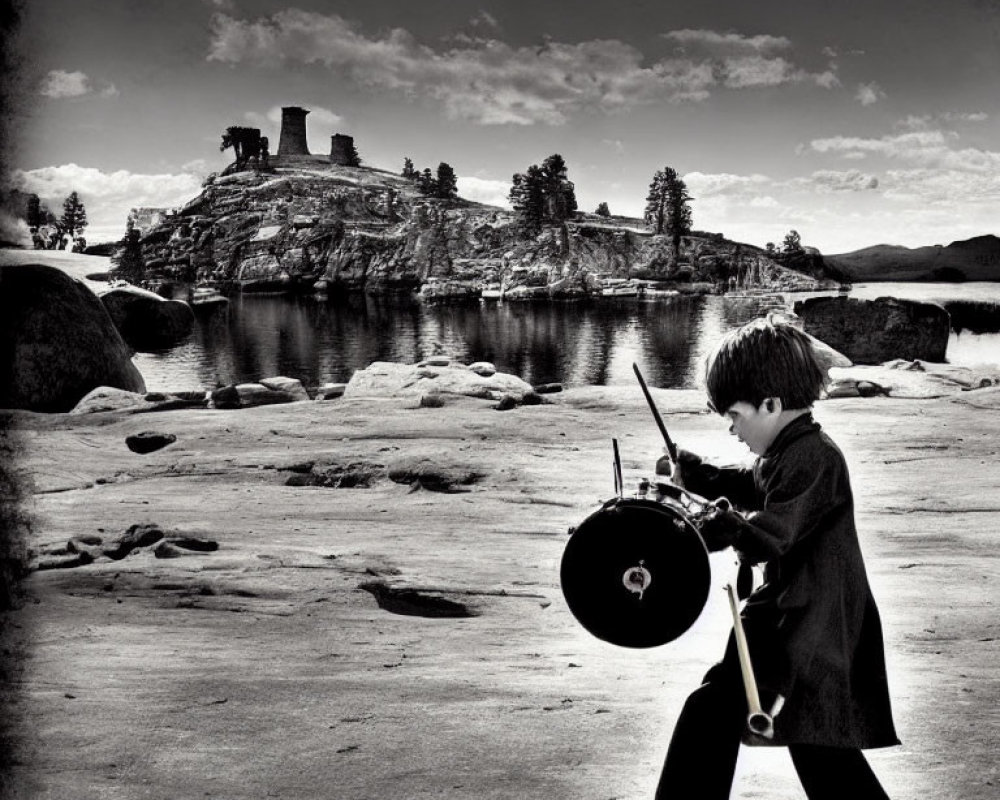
{"x": 263, "y": 670}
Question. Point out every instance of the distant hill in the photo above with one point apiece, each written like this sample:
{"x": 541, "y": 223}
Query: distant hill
{"x": 976, "y": 259}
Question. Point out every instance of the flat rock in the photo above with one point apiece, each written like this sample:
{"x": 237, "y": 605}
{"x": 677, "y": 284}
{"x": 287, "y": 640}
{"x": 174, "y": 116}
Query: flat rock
{"x": 107, "y": 398}
{"x": 290, "y": 386}
{"x": 384, "y": 379}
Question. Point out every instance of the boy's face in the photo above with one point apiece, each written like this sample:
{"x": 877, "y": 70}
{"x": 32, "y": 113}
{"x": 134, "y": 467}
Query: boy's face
{"x": 756, "y": 427}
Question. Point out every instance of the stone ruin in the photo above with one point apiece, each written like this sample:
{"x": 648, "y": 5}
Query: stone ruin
{"x": 342, "y": 150}
{"x": 293, "y": 132}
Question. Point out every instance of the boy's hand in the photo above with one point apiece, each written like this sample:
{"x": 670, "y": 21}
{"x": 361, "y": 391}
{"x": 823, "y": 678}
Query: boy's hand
{"x": 719, "y": 528}
{"x": 675, "y": 469}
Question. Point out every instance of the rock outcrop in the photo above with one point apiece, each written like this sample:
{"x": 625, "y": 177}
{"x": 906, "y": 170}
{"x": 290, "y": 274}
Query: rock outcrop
{"x": 305, "y": 223}
{"x": 875, "y": 331}
{"x": 57, "y": 341}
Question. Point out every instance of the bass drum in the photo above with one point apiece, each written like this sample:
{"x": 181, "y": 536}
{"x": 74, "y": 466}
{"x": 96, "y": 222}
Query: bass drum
{"x": 636, "y": 573}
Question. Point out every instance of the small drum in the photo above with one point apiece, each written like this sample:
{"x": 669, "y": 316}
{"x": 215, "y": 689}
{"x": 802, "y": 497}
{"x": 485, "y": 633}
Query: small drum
{"x": 635, "y": 573}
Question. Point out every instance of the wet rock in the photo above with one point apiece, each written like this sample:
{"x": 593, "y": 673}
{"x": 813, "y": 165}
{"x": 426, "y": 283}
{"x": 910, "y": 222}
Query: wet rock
{"x": 59, "y": 342}
{"x": 875, "y": 331}
{"x": 548, "y": 388}
{"x": 147, "y": 321}
{"x": 149, "y": 441}
{"x": 507, "y": 402}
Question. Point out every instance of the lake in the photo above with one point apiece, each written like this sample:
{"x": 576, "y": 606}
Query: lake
{"x": 574, "y": 343}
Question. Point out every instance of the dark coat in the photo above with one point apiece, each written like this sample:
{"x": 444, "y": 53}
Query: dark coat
{"x": 813, "y": 628}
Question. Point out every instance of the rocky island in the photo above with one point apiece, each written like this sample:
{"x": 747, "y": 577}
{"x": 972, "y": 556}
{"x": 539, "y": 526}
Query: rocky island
{"x": 302, "y": 222}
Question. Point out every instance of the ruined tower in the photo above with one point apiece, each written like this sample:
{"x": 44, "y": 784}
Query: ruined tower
{"x": 342, "y": 150}
{"x": 293, "y": 132}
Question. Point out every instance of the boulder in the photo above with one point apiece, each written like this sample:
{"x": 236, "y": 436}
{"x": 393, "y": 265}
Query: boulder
{"x": 875, "y": 331}
{"x": 290, "y": 386}
{"x": 57, "y": 341}
{"x": 331, "y": 391}
{"x": 107, "y": 398}
{"x": 386, "y": 379}
{"x": 147, "y": 321}
{"x": 483, "y": 368}
{"x": 247, "y": 395}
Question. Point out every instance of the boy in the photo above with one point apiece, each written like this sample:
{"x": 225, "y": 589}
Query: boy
{"x": 813, "y": 629}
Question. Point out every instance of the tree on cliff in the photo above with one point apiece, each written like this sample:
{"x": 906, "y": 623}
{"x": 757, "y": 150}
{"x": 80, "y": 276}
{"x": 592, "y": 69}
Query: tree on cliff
{"x": 527, "y": 196}
{"x": 408, "y": 171}
{"x": 667, "y": 209}
{"x": 603, "y": 210}
{"x": 74, "y": 216}
{"x": 446, "y": 184}
{"x": 426, "y": 183}
{"x": 128, "y": 261}
{"x": 543, "y": 194}
{"x": 792, "y": 246}
{"x": 559, "y": 191}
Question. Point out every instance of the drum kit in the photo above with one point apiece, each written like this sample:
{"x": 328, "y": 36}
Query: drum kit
{"x": 636, "y": 572}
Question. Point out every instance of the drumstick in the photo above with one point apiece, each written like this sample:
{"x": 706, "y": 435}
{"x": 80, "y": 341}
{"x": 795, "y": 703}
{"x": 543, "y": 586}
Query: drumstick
{"x": 758, "y": 720}
{"x": 671, "y": 447}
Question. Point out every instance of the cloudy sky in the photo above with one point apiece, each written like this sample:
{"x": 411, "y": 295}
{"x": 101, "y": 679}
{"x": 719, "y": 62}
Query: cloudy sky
{"x": 854, "y": 123}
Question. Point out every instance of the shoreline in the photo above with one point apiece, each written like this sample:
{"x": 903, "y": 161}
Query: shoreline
{"x": 180, "y": 667}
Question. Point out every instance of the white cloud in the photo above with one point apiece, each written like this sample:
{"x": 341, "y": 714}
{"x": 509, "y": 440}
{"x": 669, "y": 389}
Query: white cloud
{"x": 869, "y": 93}
{"x": 703, "y": 185}
{"x": 490, "y": 82}
{"x": 59, "y": 83}
{"x": 727, "y": 42}
{"x": 926, "y": 148}
{"x": 483, "y": 190}
{"x": 850, "y": 181}
{"x": 107, "y": 196}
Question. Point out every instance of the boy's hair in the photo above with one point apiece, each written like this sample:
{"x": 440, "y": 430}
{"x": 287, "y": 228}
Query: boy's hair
{"x": 765, "y": 358}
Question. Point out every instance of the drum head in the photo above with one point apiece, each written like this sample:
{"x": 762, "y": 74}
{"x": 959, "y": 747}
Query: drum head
{"x": 636, "y": 573}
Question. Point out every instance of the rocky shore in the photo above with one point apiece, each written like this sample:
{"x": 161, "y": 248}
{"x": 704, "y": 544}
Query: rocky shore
{"x": 360, "y": 597}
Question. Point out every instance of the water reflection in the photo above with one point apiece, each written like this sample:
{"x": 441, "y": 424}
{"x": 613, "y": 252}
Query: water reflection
{"x": 573, "y": 343}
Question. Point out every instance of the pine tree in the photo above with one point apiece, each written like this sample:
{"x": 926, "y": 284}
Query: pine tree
{"x": 447, "y": 182}
{"x": 408, "y": 171}
{"x": 426, "y": 182}
{"x": 33, "y": 214}
{"x": 667, "y": 209}
{"x": 128, "y": 261}
{"x": 74, "y": 216}
{"x": 603, "y": 210}
{"x": 527, "y": 196}
{"x": 560, "y": 194}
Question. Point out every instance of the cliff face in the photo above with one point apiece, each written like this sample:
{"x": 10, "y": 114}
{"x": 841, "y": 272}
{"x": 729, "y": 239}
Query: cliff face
{"x": 976, "y": 259}
{"x": 307, "y": 224}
